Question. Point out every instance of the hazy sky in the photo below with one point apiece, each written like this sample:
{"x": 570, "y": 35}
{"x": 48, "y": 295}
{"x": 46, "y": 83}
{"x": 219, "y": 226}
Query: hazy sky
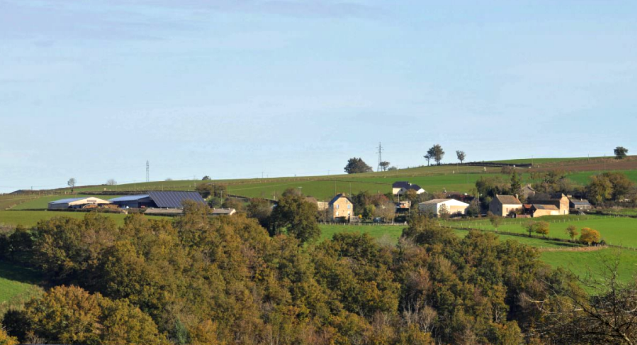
{"x": 234, "y": 88}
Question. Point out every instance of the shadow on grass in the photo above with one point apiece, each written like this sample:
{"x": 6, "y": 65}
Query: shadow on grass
{"x": 14, "y": 272}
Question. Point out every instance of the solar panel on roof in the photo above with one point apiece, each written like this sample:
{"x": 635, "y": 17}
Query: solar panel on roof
{"x": 174, "y": 199}
{"x": 129, "y": 198}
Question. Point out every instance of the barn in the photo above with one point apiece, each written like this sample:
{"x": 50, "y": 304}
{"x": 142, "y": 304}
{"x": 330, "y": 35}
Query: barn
{"x": 157, "y": 199}
{"x": 73, "y": 203}
{"x": 133, "y": 201}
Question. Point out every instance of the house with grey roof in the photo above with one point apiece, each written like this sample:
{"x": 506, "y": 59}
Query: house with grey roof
{"x": 402, "y": 187}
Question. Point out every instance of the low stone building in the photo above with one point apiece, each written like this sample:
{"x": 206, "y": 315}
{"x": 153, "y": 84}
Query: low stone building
{"x": 558, "y": 200}
{"x": 504, "y": 205}
{"x": 580, "y": 204}
{"x": 544, "y": 210}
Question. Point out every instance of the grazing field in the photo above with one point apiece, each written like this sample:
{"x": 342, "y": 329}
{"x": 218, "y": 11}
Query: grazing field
{"x": 583, "y": 178}
{"x": 15, "y": 280}
{"x": 584, "y": 263}
{"x": 614, "y": 230}
{"x": 42, "y": 203}
{"x": 9, "y": 200}
{"x": 544, "y": 160}
{"x": 393, "y": 232}
{"x": 31, "y": 218}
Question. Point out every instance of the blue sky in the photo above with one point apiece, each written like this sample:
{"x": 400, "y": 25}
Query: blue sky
{"x": 234, "y": 88}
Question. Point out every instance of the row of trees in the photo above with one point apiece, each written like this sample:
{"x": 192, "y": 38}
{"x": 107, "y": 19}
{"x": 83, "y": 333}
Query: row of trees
{"x": 436, "y": 153}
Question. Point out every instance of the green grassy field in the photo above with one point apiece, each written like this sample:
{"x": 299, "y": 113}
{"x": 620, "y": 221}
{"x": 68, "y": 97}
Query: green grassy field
{"x": 584, "y": 264}
{"x": 31, "y": 218}
{"x": 616, "y": 231}
{"x": 583, "y": 178}
{"x": 15, "y": 280}
{"x": 8, "y": 200}
{"x": 544, "y": 160}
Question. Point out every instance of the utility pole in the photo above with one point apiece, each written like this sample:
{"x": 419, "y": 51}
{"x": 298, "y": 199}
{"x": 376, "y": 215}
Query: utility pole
{"x": 147, "y": 171}
{"x": 380, "y": 155}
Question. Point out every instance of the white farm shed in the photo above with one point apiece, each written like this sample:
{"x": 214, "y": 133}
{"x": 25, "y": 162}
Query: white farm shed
{"x": 435, "y": 206}
{"x": 76, "y": 203}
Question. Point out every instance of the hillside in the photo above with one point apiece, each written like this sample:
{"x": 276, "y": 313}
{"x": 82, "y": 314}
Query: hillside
{"x": 460, "y": 178}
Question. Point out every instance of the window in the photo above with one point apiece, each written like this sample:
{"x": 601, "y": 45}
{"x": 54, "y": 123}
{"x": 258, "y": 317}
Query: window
{"x": 338, "y": 206}
{"x": 349, "y": 206}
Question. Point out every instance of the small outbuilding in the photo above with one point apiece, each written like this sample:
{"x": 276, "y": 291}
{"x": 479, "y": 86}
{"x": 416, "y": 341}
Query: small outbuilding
{"x": 437, "y": 206}
{"x": 580, "y": 204}
{"x": 544, "y": 210}
{"x": 75, "y": 203}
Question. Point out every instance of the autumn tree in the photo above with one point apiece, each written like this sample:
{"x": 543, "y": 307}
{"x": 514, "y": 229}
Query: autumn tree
{"x": 386, "y": 211}
{"x": 620, "y": 152}
{"x": 461, "y": 156}
{"x": 357, "y": 166}
{"x": 571, "y": 230}
{"x": 71, "y": 315}
{"x": 436, "y": 153}
{"x": 495, "y": 220}
{"x": 621, "y": 184}
{"x": 599, "y": 189}
{"x": 530, "y": 227}
{"x": 589, "y": 236}
{"x": 5, "y": 339}
{"x": 542, "y": 228}
{"x": 297, "y": 216}
{"x": 260, "y": 209}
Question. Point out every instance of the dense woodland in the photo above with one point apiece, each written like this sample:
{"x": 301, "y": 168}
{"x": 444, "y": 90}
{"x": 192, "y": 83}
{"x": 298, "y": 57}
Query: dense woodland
{"x": 227, "y": 280}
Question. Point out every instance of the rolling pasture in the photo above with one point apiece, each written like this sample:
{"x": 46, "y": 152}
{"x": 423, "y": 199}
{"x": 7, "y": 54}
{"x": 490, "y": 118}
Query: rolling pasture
{"x": 431, "y": 178}
{"x": 31, "y": 218}
{"x": 15, "y": 281}
{"x": 614, "y": 230}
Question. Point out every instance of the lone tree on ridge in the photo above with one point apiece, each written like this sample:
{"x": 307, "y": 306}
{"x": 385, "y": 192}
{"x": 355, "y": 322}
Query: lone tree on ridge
{"x": 357, "y": 166}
